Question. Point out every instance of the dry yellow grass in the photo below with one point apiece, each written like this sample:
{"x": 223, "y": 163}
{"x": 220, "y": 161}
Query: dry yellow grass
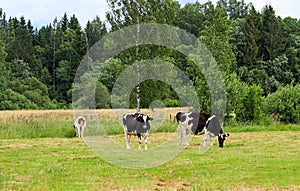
{"x": 107, "y": 114}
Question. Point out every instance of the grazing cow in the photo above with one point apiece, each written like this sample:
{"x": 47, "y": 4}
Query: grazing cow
{"x": 79, "y": 126}
{"x": 136, "y": 124}
{"x": 200, "y": 123}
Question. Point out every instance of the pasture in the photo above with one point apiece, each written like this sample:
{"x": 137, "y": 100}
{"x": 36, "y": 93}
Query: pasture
{"x": 38, "y": 152}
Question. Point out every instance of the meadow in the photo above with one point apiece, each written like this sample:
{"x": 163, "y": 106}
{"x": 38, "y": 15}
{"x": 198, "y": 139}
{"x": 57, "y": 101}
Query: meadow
{"x": 38, "y": 151}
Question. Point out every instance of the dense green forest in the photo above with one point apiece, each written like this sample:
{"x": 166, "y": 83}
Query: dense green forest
{"x": 257, "y": 51}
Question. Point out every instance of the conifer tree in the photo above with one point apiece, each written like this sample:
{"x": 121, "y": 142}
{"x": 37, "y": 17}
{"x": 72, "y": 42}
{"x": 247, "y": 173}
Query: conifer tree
{"x": 251, "y": 31}
{"x": 272, "y": 40}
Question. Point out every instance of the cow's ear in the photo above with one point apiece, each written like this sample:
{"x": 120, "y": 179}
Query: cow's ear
{"x": 150, "y": 118}
{"x": 227, "y": 135}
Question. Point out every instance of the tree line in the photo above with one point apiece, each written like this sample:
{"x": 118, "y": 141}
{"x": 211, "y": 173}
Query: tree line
{"x": 258, "y": 53}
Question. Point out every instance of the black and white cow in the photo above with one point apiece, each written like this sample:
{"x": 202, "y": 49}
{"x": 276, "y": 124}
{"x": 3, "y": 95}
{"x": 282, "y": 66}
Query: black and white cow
{"x": 136, "y": 124}
{"x": 200, "y": 123}
{"x": 79, "y": 126}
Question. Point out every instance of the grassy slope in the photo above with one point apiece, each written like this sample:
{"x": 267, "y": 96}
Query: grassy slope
{"x": 253, "y": 160}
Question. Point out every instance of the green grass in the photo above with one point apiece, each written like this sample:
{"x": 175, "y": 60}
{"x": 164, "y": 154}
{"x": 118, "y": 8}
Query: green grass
{"x": 40, "y": 155}
{"x": 249, "y": 161}
{"x": 43, "y": 128}
{"x": 36, "y": 129}
{"x": 64, "y": 128}
{"x": 263, "y": 128}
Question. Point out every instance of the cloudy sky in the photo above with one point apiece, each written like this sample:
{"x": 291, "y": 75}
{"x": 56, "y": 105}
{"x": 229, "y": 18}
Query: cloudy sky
{"x": 43, "y": 12}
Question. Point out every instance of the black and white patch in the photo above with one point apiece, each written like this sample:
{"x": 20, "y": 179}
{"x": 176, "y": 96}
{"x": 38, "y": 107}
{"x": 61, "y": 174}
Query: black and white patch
{"x": 214, "y": 129}
{"x": 136, "y": 124}
{"x": 199, "y": 123}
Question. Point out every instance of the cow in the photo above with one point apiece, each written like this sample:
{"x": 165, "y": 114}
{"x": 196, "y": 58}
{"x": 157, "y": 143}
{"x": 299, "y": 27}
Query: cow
{"x": 136, "y": 124}
{"x": 200, "y": 123}
{"x": 79, "y": 126}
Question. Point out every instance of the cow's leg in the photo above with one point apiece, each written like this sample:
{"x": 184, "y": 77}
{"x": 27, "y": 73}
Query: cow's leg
{"x": 211, "y": 139}
{"x": 146, "y": 140}
{"x": 208, "y": 138}
{"x": 79, "y": 131}
{"x": 185, "y": 132}
{"x": 82, "y": 131}
{"x": 181, "y": 134}
{"x": 206, "y": 134}
{"x": 140, "y": 140}
{"x": 127, "y": 138}
{"x": 76, "y": 130}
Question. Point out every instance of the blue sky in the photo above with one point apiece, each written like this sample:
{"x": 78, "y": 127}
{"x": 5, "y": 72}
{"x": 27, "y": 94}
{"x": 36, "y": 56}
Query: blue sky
{"x": 42, "y": 12}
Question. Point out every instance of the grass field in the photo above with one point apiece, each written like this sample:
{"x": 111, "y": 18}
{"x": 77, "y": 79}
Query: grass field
{"x": 254, "y": 158}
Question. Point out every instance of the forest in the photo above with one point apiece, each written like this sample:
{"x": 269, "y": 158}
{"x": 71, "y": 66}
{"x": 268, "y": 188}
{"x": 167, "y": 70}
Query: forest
{"x": 257, "y": 51}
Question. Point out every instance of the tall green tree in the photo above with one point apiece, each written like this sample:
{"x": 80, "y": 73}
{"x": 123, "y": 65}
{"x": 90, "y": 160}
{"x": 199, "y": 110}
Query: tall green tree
{"x": 238, "y": 40}
{"x": 191, "y": 18}
{"x": 252, "y": 33}
{"x": 128, "y": 12}
{"x": 44, "y": 50}
{"x": 216, "y": 36}
{"x": 272, "y": 39}
{"x": 19, "y": 41}
{"x": 236, "y": 9}
{"x": 292, "y": 28}
{"x": 4, "y": 73}
{"x": 68, "y": 55}
{"x": 94, "y": 31}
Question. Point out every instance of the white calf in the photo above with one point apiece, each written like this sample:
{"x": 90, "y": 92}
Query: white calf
{"x": 79, "y": 126}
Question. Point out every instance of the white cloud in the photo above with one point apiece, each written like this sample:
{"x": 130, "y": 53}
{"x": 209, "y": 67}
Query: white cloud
{"x": 282, "y": 8}
{"x": 43, "y": 12}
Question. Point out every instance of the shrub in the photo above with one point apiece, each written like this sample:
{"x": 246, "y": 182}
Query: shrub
{"x": 13, "y": 100}
{"x": 253, "y": 102}
{"x": 171, "y": 103}
{"x": 285, "y": 103}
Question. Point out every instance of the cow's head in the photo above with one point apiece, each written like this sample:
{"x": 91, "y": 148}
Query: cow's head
{"x": 143, "y": 118}
{"x": 222, "y": 138}
{"x": 81, "y": 121}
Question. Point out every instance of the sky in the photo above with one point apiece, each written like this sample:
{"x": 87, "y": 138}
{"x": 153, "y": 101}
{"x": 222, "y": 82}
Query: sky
{"x": 43, "y": 12}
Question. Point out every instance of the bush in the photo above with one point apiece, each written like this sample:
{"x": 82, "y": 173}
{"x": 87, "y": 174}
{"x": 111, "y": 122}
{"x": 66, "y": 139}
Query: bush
{"x": 171, "y": 103}
{"x": 236, "y": 92}
{"x": 285, "y": 103}
{"x": 11, "y": 100}
{"x": 253, "y": 104}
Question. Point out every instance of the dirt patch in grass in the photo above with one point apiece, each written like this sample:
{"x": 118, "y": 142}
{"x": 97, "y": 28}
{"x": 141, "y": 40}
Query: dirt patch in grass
{"x": 18, "y": 146}
{"x": 176, "y": 184}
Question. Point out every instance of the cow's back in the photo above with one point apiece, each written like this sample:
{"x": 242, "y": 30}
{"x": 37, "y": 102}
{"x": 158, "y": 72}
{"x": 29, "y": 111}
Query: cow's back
{"x": 214, "y": 126}
{"x": 192, "y": 121}
{"x": 129, "y": 122}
